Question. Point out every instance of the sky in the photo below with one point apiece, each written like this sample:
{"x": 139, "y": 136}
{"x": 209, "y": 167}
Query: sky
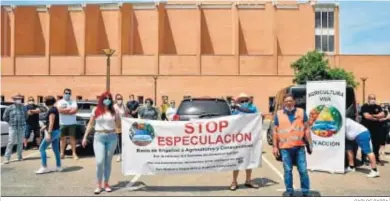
{"x": 364, "y": 25}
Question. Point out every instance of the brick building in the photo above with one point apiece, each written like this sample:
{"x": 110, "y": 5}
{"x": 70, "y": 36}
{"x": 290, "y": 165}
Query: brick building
{"x": 173, "y": 49}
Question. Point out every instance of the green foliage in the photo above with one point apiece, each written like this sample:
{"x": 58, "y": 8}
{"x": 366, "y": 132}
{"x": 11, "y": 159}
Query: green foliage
{"x": 313, "y": 67}
{"x": 341, "y": 74}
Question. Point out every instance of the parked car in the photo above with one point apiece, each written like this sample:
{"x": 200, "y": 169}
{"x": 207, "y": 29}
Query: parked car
{"x": 83, "y": 115}
{"x": 202, "y": 108}
{"x": 299, "y": 94}
{"x": 5, "y": 126}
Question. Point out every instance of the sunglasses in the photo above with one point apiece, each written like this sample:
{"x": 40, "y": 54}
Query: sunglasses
{"x": 119, "y": 99}
{"x": 30, "y": 100}
{"x": 68, "y": 93}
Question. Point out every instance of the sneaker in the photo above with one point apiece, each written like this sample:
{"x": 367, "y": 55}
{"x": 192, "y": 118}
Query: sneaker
{"x": 118, "y": 159}
{"x": 6, "y": 161}
{"x": 58, "y": 169}
{"x": 349, "y": 169}
{"x": 373, "y": 174}
{"x": 20, "y": 159}
{"x": 107, "y": 188}
{"x": 97, "y": 191}
{"x": 42, "y": 170}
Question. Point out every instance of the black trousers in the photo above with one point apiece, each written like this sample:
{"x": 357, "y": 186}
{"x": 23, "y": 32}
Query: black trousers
{"x": 164, "y": 117}
{"x": 118, "y": 148}
{"x": 376, "y": 136}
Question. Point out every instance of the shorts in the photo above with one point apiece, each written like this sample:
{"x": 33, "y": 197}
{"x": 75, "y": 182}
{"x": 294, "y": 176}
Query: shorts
{"x": 364, "y": 142}
{"x": 29, "y": 129}
{"x": 350, "y": 145}
{"x": 68, "y": 130}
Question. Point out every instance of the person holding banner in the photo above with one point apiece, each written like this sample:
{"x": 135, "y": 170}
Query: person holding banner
{"x": 245, "y": 107}
{"x": 105, "y": 120}
{"x": 357, "y": 132}
{"x": 291, "y": 134}
{"x": 122, "y": 111}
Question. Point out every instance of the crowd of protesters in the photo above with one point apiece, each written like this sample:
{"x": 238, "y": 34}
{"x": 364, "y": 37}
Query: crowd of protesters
{"x": 291, "y": 139}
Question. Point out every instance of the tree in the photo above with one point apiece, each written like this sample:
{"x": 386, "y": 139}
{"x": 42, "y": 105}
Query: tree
{"x": 314, "y": 66}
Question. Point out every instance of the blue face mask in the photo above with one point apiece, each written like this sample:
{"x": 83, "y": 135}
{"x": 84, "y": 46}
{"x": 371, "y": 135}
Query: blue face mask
{"x": 106, "y": 102}
{"x": 66, "y": 96}
{"x": 245, "y": 104}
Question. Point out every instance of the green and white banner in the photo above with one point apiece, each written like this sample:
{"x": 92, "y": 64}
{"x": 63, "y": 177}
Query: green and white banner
{"x": 325, "y": 107}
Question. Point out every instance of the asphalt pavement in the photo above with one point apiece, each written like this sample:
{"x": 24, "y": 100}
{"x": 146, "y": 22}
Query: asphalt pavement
{"x": 78, "y": 179}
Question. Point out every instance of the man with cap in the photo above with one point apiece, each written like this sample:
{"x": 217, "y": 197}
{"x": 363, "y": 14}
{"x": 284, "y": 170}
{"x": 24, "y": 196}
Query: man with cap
{"x": 16, "y": 116}
{"x": 244, "y": 106}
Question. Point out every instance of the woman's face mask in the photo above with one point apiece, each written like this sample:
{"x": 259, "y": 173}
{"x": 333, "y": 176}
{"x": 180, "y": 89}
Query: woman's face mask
{"x": 119, "y": 101}
{"x": 18, "y": 101}
{"x": 106, "y": 102}
{"x": 30, "y": 102}
{"x": 148, "y": 104}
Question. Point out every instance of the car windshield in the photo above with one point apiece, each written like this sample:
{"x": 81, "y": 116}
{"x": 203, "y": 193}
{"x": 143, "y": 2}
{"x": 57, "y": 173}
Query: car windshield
{"x": 86, "y": 106}
{"x": 299, "y": 94}
{"x": 202, "y": 107}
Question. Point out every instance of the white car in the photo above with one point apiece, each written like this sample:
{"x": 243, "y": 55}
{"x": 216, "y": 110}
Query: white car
{"x": 5, "y": 129}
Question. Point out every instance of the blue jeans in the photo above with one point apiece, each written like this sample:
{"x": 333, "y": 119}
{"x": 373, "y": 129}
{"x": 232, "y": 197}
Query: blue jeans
{"x": 104, "y": 147}
{"x": 299, "y": 155}
{"x": 55, "y": 145}
{"x": 15, "y": 136}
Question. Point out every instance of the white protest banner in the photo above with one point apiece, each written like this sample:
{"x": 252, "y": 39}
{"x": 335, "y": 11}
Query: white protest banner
{"x": 326, "y": 108}
{"x": 218, "y": 144}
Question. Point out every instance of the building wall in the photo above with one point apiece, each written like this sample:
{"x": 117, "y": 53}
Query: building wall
{"x": 198, "y": 50}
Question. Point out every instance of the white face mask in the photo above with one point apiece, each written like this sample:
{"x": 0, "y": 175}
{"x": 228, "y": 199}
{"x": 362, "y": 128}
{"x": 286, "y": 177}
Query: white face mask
{"x": 119, "y": 102}
{"x": 18, "y": 101}
{"x": 31, "y": 102}
{"x": 372, "y": 102}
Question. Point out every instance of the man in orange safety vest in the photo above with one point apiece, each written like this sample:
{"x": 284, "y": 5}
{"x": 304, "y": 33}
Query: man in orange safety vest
{"x": 291, "y": 134}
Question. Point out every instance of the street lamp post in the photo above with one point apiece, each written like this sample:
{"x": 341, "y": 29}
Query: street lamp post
{"x": 155, "y": 89}
{"x": 364, "y": 88}
{"x": 108, "y": 52}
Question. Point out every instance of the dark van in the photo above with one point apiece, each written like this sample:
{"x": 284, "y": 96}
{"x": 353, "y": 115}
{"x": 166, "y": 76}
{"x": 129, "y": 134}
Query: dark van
{"x": 299, "y": 94}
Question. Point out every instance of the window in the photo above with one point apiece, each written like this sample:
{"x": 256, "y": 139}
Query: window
{"x": 22, "y": 99}
{"x": 186, "y": 97}
{"x": 140, "y": 99}
{"x": 324, "y": 29}
{"x": 79, "y": 98}
{"x": 2, "y": 98}
{"x": 59, "y": 97}
{"x": 40, "y": 99}
{"x": 325, "y": 43}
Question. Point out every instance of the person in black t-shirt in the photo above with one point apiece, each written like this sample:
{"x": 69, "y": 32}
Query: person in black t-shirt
{"x": 32, "y": 122}
{"x": 385, "y": 130}
{"x": 52, "y": 136}
{"x": 372, "y": 114}
{"x": 133, "y": 106}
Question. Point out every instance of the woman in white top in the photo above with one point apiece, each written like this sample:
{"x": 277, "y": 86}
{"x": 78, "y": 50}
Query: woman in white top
{"x": 357, "y": 132}
{"x": 122, "y": 111}
{"x": 105, "y": 139}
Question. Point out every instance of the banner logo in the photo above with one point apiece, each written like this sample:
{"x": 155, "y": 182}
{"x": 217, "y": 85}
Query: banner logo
{"x": 327, "y": 120}
{"x": 141, "y": 134}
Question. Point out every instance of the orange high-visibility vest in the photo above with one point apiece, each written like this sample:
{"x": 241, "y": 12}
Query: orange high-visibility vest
{"x": 289, "y": 134}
